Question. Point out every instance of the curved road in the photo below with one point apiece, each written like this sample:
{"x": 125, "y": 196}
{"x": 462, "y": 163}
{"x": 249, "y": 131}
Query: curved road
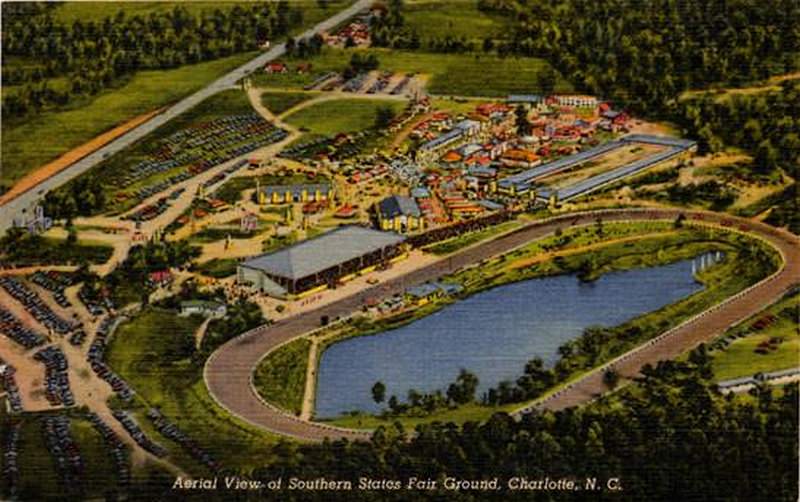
{"x": 228, "y": 371}
{"x": 14, "y": 207}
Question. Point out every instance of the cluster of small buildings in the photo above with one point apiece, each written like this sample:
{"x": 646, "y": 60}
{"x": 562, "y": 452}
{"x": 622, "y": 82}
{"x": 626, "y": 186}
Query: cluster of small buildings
{"x": 300, "y": 192}
{"x": 279, "y": 68}
{"x": 354, "y": 34}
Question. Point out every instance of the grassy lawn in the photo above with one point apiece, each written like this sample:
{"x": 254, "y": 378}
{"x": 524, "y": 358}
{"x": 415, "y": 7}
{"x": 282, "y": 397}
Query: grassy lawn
{"x": 455, "y": 18}
{"x": 100, "y": 469}
{"x": 149, "y": 353}
{"x": 279, "y": 102}
{"x": 342, "y": 115}
{"x": 37, "y": 140}
{"x": 450, "y": 74}
{"x": 740, "y": 358}
{"x": 721, "y": 281}
{"x": 37, "y": 469}
{"x": 281, "y": 376}
{"x": 462, "y": 241}
{"x": 218, "y": 268}
{"x": 51, "y": 251}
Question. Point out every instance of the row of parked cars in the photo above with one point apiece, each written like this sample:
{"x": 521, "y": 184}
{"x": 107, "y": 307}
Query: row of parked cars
{"x": 65, "y": 452}
{"x": 118, "y": 450}
{"x": 138, "y": 434}
{"x": 35, "y": 305}
{"x": 54, "y": 282}
{"x": 8, "y": 382}
{"x": 57, "y": 387}
{"x": 10, "y": 456}
{"x": 12, "y": 328}
{"x": 171, "y": 431}
{"x": 95, "y": 358}
{"x": 215, "y": 141}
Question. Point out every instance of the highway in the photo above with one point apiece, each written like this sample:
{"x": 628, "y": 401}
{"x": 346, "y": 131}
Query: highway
{"x": 26, "y": 200}
{"x": 229, "y": 370}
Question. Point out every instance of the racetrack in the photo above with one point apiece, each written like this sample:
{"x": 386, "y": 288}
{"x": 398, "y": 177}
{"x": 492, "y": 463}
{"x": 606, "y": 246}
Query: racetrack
{"x": 229, "y": 369}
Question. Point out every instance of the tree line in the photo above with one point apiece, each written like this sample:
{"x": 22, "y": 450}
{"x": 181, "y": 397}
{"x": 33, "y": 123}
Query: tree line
{"x": 95, "y": 55}
{"x": 766, "y": 124}
{"x": 644, "y": 54}
{"x": 673, "y": 436}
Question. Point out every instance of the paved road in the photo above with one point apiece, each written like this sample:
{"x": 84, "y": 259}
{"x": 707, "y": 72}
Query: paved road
{"x": 14, "y": 207}
{"x": 229, "y": 369}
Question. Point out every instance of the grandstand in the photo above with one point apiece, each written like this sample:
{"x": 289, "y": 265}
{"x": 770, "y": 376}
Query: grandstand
{"x": 321, "y": 262}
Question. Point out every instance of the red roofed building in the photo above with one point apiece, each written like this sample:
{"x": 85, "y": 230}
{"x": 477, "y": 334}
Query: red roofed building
{"x": 275, "y": 67}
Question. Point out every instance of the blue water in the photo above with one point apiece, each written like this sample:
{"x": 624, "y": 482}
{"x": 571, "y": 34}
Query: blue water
{"x": 492, "y": 334}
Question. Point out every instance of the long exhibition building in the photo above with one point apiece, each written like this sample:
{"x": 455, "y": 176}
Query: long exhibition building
{"x": 322, "y": 262}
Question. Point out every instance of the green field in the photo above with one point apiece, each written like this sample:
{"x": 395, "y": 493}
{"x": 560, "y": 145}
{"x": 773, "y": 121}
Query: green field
{"x": 37, "y": 140}
{"x": 149, "y": 353}
{"x": 740, "y": 359}
{"x": 281, "y": 376}
{"x": 279, "y": 102}
{"x": 218, "y": 268}
{"x": 36, "y": 250}
{"x": 342, "y": 115}
{"x": 450, "y": 74}
{"x": 437, "y": 19}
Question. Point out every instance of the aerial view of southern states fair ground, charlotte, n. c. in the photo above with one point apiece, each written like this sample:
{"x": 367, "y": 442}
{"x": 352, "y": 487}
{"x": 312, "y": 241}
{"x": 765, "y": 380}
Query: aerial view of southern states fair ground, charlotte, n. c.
{"x": 400, "y": 250}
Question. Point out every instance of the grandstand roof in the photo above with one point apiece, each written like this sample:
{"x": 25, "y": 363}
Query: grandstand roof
{"x": 323, "y": 252}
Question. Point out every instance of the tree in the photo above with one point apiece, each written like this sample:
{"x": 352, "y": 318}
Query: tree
{"x": 383, "y": 117}
{"x": 523, "y": 126}
{"x": 547, "y": 79}
{"x": 378, "y": 392}
{"x": 72, "y": 235}
{"x": 611, "y": 378}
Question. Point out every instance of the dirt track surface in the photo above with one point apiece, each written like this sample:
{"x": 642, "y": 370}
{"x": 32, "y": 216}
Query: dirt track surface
{"x": 228, "y": 371}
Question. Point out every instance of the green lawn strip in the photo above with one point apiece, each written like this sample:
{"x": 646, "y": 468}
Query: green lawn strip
{"x": 218, "y": 268}
{"x": 722, "y": 281}
{"x": 462, "y": 241}
{"x": 39, "y": 139}
{"x": 279, "y": 102}
{"x": 740, "y": 359}
{"x": 341, "y": 115}
{"x": 475, "y": 74}
{"x": 281, "y": 376}
{"x": 100, "y": 472}
{"x": 37, "y": 250}
{"x": 149, "y": 353}
{"x": 38, "y": 476}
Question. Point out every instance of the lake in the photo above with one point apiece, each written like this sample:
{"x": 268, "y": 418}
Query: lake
{"x": 492, "y": 334}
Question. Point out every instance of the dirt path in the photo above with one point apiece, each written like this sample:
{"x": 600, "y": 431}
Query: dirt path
{"x": 200, "y": 333}
{"x": 309, "y": 392}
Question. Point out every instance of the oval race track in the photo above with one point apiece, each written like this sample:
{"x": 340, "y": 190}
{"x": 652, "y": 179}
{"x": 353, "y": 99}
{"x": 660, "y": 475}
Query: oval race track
{"x": 228, "y": 371}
